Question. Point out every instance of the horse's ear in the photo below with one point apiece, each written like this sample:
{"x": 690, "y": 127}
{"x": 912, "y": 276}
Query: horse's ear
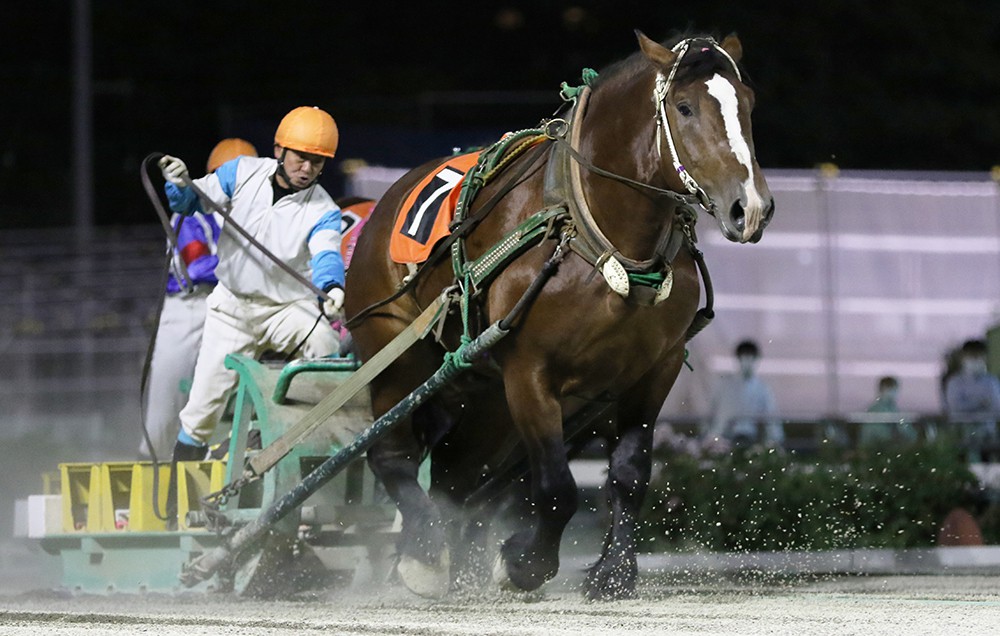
{"x": 659, "y": 55}
{"x": 733, "y": 46}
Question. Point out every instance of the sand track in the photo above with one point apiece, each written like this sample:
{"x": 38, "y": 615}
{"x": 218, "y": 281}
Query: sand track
{"x": 943, "y": 604}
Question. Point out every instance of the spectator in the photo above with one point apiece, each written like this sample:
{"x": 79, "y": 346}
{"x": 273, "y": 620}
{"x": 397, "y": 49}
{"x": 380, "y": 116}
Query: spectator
{"x": 178, "y": 335}
{"x": 743, "y": 404}
{"x": 885, "y": 399}
{"x": 885, "y": 422}
{"x": 972, "y": 401}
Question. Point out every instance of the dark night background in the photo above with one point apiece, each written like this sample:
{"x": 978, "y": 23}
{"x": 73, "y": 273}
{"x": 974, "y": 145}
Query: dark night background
{"x": 898, "y": 84}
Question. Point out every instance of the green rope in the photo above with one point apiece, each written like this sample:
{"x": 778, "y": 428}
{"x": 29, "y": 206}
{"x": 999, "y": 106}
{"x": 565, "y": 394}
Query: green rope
{"x": 686, "y": 363}
{"x": 454, "y": 358}
{"x": 570, "y": 93}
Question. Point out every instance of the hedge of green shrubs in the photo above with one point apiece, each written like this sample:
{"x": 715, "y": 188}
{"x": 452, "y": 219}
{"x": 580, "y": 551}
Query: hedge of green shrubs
{"x": 767, "y": 500}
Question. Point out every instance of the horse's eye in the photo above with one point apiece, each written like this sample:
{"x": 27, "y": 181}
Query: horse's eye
{"x": 685, "y": 110}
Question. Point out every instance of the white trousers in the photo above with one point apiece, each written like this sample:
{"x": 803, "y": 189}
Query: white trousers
{"x": 171, "y": 370}
{"x": 248, "y": 326}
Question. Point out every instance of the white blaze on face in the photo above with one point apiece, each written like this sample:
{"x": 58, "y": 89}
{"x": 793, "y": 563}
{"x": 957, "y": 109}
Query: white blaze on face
{"x": 722, "y": 90}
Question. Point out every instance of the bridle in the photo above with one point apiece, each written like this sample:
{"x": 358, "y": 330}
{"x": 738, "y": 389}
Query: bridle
{"x": 563, "y": 186}
{"x": 660, "y": 91}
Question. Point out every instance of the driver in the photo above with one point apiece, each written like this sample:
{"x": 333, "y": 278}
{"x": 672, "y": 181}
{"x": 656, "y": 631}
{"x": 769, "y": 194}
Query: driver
{"x": 256, "y": 305}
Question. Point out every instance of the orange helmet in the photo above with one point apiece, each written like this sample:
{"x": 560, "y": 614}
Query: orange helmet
{"x": 229, "y": 149}
{"x": 308, "y": 129}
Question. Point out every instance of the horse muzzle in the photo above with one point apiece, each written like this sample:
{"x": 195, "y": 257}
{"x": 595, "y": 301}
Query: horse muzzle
{"x": 743, "y": 223}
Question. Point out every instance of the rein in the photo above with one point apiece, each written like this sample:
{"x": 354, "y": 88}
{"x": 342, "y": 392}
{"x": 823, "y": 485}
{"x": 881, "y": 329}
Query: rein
{"x": 558, "y": 136}
{"x": 175, "y": 260}
{"x": 230, "y": 223}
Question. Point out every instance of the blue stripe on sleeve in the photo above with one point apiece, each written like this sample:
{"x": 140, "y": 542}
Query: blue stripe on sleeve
{"x": 181, "y": 199}
{"x": 327, "y": 269}
{"x": 329, "y": 221}
{"x": 328, "y": 265}
{"x": 227, "y": 176}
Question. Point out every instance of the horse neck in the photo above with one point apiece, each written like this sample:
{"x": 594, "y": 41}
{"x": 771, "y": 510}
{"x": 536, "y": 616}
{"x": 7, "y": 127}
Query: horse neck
{"x": 626, "y": 145}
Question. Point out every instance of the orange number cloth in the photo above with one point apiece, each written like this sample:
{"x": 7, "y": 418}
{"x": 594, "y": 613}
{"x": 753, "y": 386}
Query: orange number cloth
{"x": 423, "y": 218}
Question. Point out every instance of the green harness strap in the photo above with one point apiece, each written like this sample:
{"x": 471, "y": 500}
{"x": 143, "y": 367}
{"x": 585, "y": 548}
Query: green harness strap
{"x": 491, "y": 161}
{"x": 531, "y": 231}
{"x": 474, "y": 275}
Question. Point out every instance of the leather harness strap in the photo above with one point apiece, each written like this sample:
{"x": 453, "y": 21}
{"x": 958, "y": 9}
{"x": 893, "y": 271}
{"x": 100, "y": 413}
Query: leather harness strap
{"x": 563, "y": 187}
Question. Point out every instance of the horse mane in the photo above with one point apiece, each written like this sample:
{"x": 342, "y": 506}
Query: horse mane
{"x": 695, "y": 64}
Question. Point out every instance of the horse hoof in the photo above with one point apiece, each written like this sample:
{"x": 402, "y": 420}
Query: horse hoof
{"x": 429, "y": 581}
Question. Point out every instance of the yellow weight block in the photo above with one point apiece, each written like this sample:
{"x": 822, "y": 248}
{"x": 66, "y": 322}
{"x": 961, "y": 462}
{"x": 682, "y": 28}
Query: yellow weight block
{"x": 142, "y": 516}
{"x": 81, "y": 501}
{"x": 115, "y": 490}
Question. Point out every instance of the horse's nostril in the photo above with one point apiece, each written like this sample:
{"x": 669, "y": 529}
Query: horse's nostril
{"x": 738, "y": 216}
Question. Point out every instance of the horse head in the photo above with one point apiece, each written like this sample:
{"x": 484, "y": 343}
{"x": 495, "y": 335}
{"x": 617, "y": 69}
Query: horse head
{"x": 704, "y": 137}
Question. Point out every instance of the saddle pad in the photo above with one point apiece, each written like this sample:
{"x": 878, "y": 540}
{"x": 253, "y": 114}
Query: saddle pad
{"x": 423, "y": 218}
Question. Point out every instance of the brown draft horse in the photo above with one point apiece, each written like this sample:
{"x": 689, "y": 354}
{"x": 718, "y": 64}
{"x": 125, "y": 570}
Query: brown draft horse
{"x": 666, "y": 118}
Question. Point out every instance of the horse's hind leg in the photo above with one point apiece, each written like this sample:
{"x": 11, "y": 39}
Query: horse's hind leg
{"x": 421, "y": 548}
{"x": 460, "y": 466}
{"x": 531, "y": 557}
{"x": 395, "y": 460}
{"x": 614, "y": 575}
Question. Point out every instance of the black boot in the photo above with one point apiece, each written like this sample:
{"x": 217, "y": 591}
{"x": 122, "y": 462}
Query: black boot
{"x": 182, "y": 453}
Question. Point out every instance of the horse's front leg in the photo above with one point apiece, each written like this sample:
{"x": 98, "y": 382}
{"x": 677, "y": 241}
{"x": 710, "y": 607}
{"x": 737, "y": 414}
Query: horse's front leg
{"x": 531, "y": 557}
{"x": 614, "y": 575}
{"x": 630, "y": 463}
